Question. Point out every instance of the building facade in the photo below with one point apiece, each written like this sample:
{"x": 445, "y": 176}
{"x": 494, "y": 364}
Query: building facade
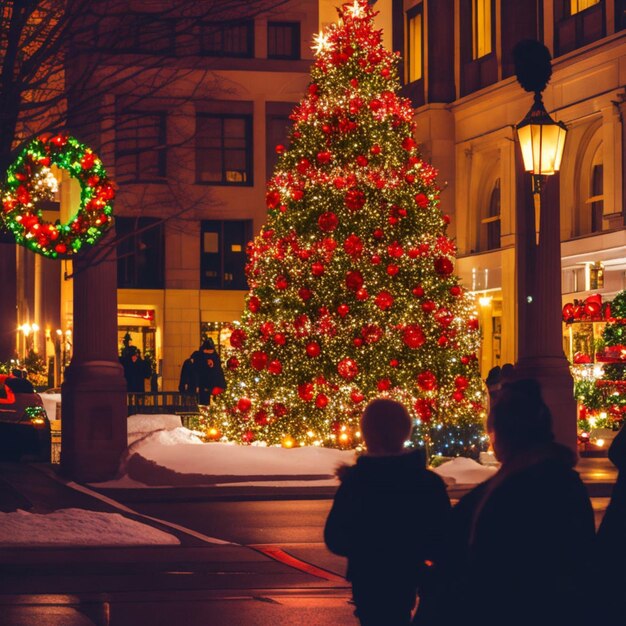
{"x": 459, "y": 73}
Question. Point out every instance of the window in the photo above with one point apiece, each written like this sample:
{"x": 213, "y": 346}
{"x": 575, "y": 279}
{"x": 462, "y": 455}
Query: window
{"x": 415, "y": 47}
{"x": 140, "y": 33}
{"x": 576, "y": 6}
{"x": 481, "y": 28}
{"x": 223, "y": 253}
{"x": 227, "y": 39}
{"x": 140, "y": 253}
{"x": 224, "y": 149}
{"x": 597, "y": 198}
{"x": 490, "y": 225}
{"x": 283, "y": 40}
{"x": 578, "y": 23}
{"x": 140, "y": 151}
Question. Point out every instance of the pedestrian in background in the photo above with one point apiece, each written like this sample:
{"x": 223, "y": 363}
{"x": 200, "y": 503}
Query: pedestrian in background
{"x": 521, "y": 542}
{"x": 611, "y": 548}
{"x": 187, "y": 383}
{"x": 388, "y": 518}
{"x": 136, "y": 370}
{"x": 209, "y": 375}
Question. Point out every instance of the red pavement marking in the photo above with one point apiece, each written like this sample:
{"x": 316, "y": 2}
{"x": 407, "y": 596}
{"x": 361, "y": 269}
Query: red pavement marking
{"x": 278, "y": 554}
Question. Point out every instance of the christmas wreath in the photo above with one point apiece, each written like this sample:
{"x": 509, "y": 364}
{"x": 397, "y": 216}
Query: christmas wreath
{"x": 30, "y": 180}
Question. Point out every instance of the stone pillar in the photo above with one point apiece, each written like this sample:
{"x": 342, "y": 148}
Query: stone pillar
{"x": 539, "y": 343}
{"x": 8, "y": 301}
{"x": 94, "y": 432}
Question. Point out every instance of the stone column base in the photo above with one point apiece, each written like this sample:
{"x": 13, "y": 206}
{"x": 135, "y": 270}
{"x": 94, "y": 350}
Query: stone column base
{"x": 94, "y": 434}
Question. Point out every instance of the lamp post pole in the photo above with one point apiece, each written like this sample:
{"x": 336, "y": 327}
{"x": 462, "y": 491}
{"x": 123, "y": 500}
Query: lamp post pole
{"x": 538, "y": 256}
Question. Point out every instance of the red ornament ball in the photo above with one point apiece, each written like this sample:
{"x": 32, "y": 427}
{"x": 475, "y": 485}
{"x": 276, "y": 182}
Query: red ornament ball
{"x": 321, "y": 401}
{"x": 354, "y": 199}
{"x": 238, "y": 338}
{"x": 280, "y": 339}
{"x": 254, "y": 304}
{"x": 443, "y": 266}
{"x": 305, "y": 293}
{"x": 455, "y": 291}
{"x": 384, "y": 384}
{"x": 247, "y": 437}
{"x": 317, "y": 269}
{"x": 306, "y": 391}
{"x": 347, "y": 368}
{"x": 427, "y": 381}
{"x": 460, "y": 382}
{"x": 272, "y": 199}
{"x": 343, "y": 310}
{"x": 413, "y": 336}
{"x": 258, "y": 360}
{"x": 281, "y": 282}
{"x": 244, "y": 405}
{"x": 458, "y": 396}
{"x": 354, "y": 280}
{"x": 421, "y": 200}
{"x": 392, "y": 269}
{"x": 275, "y": 367}
{"x": 384, "y": 300}
{"x": 324, "y": 157}
{"x": 362, "y": 295}
{"x": 424, "y": 409}
{"x": 232, "y": 363}
{"x": 328, "y": 221}
{"x": 313, "y": 349}
{"x": 356, "y": 396}
{"x": 418, "y": 291}
{"x": 353, "y": 245}
{"x": 261, "y": 418}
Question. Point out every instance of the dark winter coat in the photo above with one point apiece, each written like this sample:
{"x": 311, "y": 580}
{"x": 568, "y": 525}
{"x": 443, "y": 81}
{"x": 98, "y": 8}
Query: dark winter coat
{"x": 611, "y": 549}
{"x": 187, "y": 383}
{"x": 209, "y": 374}
{"x": 135, "y": 373}
{"x": 388, "y": 518}
{"x": 520, "y": 546}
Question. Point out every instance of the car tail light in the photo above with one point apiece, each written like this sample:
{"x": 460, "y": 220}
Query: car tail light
{"x": 36, "y": 415}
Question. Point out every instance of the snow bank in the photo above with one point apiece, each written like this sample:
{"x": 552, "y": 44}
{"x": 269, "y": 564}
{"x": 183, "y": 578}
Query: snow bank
{"x": 464, "y": 471}
{"x": 50, "y": 402}
{"x": 77, "y": 527}
{"x": 217, "y": 459}
{"x": 143, "y": 423}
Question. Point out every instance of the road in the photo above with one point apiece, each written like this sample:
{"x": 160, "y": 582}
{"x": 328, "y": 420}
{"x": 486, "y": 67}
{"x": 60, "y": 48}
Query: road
{"x": 280, "y": 573}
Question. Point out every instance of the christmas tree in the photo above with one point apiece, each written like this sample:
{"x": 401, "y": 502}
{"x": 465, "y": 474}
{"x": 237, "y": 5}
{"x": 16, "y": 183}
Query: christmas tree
{"x": 601, "y": 392}
{"x": 352, "y": 293}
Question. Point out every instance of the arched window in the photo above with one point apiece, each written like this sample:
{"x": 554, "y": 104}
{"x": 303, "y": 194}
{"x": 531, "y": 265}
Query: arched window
{"x": 489, "y": 235}
{"x": 589, "y": 217}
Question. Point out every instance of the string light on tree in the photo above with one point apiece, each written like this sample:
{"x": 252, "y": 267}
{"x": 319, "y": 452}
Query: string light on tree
{"x": 352, "y": 286}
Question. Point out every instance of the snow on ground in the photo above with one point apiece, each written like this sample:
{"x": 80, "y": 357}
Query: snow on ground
{"x": 162, "y": 453}
{"x": 50, "y": 402}
{"x": 77, "y": 527}
{"x": 464, "y": 471}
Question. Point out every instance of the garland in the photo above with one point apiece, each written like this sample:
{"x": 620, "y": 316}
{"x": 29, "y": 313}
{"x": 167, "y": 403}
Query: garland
{"x": 30, "y": 180}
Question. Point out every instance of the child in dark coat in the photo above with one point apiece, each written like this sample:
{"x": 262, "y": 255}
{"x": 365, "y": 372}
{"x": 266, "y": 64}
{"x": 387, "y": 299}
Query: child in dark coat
{"x": 388, "y": 518}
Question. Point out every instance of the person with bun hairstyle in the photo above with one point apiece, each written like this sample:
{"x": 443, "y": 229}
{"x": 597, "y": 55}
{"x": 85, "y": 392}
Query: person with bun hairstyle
{"x": 521, "y": 543}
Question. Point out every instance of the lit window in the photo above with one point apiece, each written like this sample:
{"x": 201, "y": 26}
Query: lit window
{"x": 415, "y": 45}
{"x": 597, "y": 197}
{"x": 481, "y": 28}
{"x": 576, "y": 6}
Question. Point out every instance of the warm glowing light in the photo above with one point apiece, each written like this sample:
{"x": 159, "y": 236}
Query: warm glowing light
{"x": 485, "y": 300}
{"x": 288, "y": 442}
{"x": 356, "y": 9}
{"x": 599, "y": 442}
{"x": 321, "y": 42}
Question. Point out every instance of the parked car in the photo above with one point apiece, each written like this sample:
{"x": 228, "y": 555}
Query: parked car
{"x": 24, "y": 423}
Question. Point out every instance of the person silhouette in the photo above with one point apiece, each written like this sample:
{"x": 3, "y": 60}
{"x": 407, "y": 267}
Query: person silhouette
{"x": 209, "y": 375}
{"x": 520, "y": 543}
{"x": 388, "y": 519}
{"x": 611, "y": 549}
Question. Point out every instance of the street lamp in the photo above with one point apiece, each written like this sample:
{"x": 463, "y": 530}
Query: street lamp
{"x": 541, "y": 140}
{"x": 538, "y": 260}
